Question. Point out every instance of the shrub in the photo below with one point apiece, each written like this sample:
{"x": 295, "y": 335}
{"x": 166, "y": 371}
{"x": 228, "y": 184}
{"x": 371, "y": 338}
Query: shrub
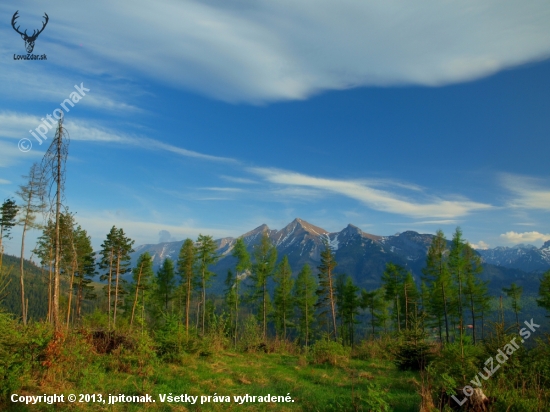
{"x": 13, "y": 362}
{"x": 411, "y": 351}
{"x": 331, "y": 352}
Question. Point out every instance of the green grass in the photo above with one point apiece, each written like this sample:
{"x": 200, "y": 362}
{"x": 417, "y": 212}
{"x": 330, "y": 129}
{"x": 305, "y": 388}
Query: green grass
{"x": 349, "y": 387}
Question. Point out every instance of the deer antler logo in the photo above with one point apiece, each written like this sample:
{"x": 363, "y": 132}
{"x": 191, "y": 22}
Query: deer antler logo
{"x": 29, "y": 40}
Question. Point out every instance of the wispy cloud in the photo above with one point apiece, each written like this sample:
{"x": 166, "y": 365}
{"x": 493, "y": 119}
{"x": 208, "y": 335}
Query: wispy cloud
{"x": 278, "y": 50}
{"x": 16, "y": 125}
{"x": 223, "y": 189}
{"x": 529, "y": 192}
{"x": 515, "y": 237}
{"x": 239, "y": 180}
{"x": 4, "y": 182}
{"x": 376, "y": 199}
{"x": 82, "y": 131}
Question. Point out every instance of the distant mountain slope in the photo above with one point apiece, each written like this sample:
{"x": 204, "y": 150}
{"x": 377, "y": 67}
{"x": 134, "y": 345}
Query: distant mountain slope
{"x": 361, "y": 255}
{"x": 525, "y": 257}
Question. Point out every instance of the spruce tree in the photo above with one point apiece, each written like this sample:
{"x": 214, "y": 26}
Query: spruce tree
{"x": 283, "y": 297}
{"x": 305, "y": 298}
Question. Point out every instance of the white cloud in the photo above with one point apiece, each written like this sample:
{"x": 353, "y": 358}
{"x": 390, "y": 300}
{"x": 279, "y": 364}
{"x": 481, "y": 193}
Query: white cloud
{"x": 481, "y": 245}
{"x": 4, "y": 182}
{"x": 529, "y": 193}
{"x": 515, "y": 237}
{"x": 266, "y": 50}
{"x": 376, "y": 199}
{"x": 82, "y": 131}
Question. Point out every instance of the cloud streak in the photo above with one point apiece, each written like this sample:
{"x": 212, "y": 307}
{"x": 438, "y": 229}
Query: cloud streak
{"x": 265, "y": 50}
{"x": 529, "y": 194}
{"x": 376, "y": 199}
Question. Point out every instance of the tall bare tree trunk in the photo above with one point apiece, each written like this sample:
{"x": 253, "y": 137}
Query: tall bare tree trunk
{"x": 22, "y": 276}
{"x": 136, "y": 297}
{"x": 57, "y": 274}
{"x": 116, "y": 289}
{"x": 109, "y": 287}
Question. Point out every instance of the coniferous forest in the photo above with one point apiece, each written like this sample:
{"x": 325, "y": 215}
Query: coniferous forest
{"x": 120, "y": 336}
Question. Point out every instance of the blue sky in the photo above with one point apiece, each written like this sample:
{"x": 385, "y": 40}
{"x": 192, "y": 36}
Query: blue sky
{"x": 214, "y": 117}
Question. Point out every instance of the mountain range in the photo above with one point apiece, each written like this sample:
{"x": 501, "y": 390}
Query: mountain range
{"x": 362, "y": 255}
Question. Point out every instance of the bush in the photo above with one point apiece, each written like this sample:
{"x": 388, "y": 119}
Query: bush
{"x": 13, "y": 362}
{"x": 411, "y": 351}
{"x": 331, "y": 352}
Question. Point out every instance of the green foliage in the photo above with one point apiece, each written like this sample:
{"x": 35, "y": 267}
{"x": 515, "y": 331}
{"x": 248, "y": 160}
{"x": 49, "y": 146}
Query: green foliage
{"x": 251, "y": 335}
{"x": 544, "y": 291}
{"x": 265, "y": 256}
{"x": 411, "y": 351}
{"x": 330, "y": 352}
{"x": 169, "y": 338}
{"x": 8, "y": 213}
{"x": 305, "y": 298}
{"x": 165, "y": 282}
{"x": 205, "y": 256}
{"x": 283, "y": 297}
{"x": 326, "y": 292}
{"x": 13, "y": 362}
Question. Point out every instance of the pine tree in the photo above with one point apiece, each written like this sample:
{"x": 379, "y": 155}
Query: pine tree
{"x": 327, "y": 287}
{"x": 32, "y": 195}
{"x": 305, "y": 298}
{"x": 206, "y": 256}
{"x": 142, "y": 276}
{"x": 283, "y": 297}
{"x": 544, "y": 291}
{"x": 8, "y": 213}
{"x": 265, "y": 255}
{"x": 186, "y": 271}
{"x": 437, "y": 277}
{"x": 514, "y": 292}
